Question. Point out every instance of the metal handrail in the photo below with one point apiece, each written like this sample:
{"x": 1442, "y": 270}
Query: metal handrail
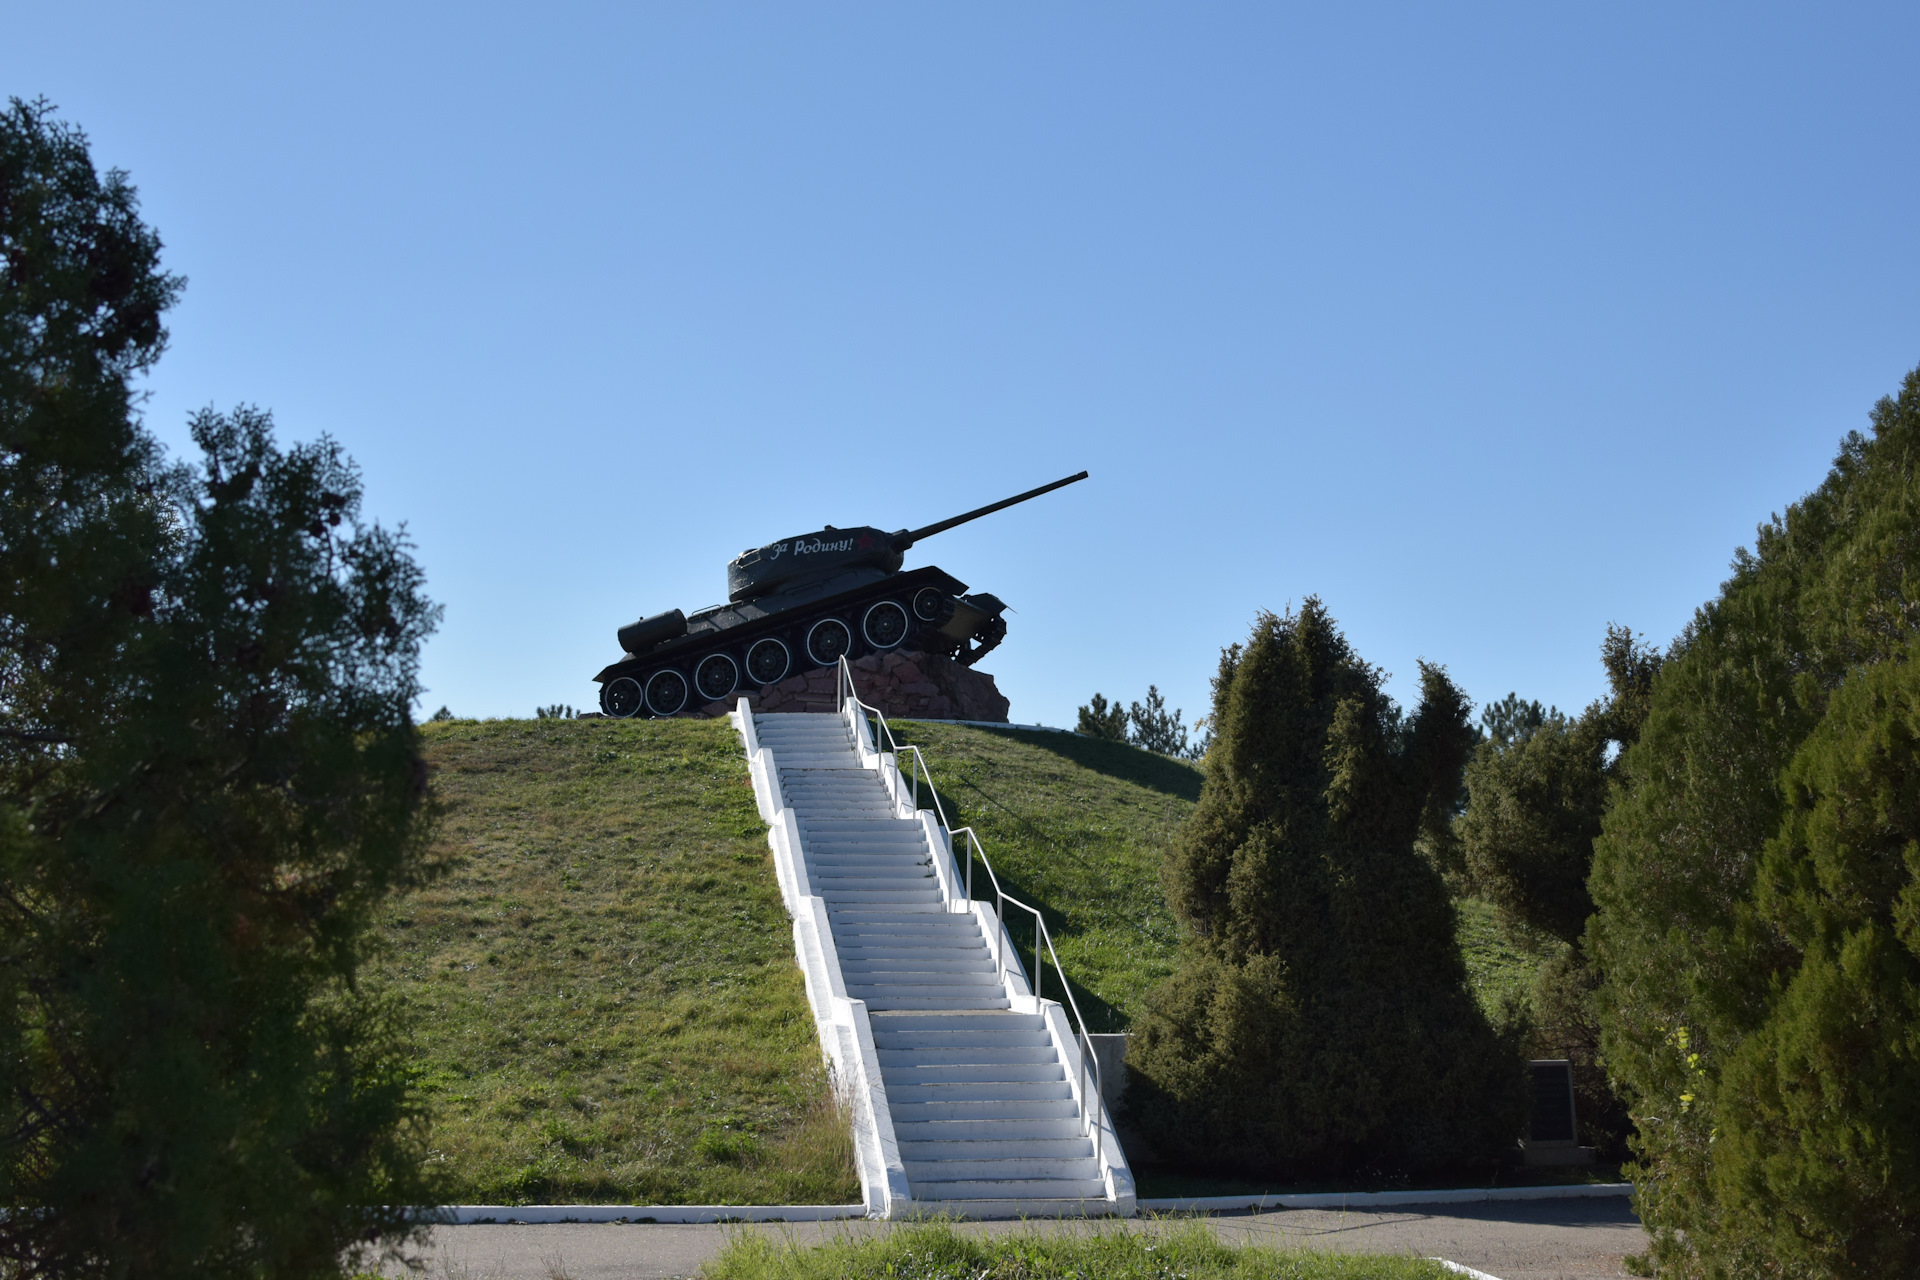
{"x": 1089, "y": 1104}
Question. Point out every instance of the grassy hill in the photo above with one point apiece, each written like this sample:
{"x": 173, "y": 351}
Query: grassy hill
{"x": 603, "y": 983}
{"x": 1079, "y": 828}
{"x": 604, "y": 987}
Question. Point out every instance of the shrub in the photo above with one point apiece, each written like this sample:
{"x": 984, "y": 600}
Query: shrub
{"x": 1758, "y": 895}
{"x": 1319, "y": 1021}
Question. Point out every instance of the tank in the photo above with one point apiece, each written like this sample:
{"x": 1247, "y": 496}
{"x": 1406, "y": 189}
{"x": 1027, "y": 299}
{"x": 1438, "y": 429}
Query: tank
{"x": 800, "y": 603}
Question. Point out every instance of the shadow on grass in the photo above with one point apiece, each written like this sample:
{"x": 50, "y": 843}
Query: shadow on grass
{"x": 1143, "y": 768}
{"x": 1100, "y": 1016}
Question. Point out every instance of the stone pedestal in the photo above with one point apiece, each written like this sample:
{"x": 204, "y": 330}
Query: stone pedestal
{"x": 911, "y": 686}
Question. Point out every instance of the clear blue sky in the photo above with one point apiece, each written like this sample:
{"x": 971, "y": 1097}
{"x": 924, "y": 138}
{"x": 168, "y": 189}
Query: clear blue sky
{"x": 1490, "y": 325}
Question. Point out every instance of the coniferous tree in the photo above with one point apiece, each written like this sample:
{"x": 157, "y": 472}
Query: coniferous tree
{"x": 1537, "y": 787}
{"x": 1514, "y": 717}
{"x": 208, "y": 782}
{"x": 1155, "y": 729}
{"x": 1103, "y": 720}
{"x": 1319, "y": 1021}
{"x": 1758, "y": 893}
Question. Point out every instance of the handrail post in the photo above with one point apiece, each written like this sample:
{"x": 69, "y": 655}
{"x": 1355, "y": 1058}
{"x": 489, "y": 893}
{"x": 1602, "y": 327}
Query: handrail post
{"x": 1038, "y": 972}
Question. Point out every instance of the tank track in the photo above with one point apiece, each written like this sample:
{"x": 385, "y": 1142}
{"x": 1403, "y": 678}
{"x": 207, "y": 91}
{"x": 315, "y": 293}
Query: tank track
{"x": 727, "y": 650}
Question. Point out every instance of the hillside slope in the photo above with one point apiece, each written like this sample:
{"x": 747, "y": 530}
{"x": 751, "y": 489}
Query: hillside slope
{"x": 603, "y": 985}
{"x": 1079, "y": 828}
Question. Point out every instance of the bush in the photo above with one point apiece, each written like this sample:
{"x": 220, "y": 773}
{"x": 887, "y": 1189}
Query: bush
{"x": 1320, "y": 1020}
{"x": 1758, "y": 895}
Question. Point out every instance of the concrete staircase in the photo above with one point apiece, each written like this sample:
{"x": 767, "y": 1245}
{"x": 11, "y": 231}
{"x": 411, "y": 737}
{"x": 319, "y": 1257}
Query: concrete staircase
{"x": 973, "y": 1073}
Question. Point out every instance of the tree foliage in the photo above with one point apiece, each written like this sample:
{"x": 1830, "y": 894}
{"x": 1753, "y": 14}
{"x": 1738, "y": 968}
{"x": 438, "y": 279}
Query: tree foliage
{"x": 1319, "y": 1020}
{"x": 1149, "y": 725}
{"x": 1103, "y": 720}
{"x": 208, "y": 782}
{"x": 1537, "y": 787}
{"x": 1514, "y": 717}
{"x": 1759, "y": 922}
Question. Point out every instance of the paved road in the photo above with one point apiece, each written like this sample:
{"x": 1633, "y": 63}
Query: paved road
{"x": 1526, "y": 1240}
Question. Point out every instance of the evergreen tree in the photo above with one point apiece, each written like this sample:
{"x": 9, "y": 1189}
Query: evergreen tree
{"x": 1103, "y": 720}
{"x": 1758, "y": 893}
{"x": 1148, "y": 725}
{"x": 208, "y": 783}
{"x": 1513, "y": 718}
{"x": 1153, "y": 729}
{"x": 1319, "y": 1021}
{"x": 1537, "y": 787}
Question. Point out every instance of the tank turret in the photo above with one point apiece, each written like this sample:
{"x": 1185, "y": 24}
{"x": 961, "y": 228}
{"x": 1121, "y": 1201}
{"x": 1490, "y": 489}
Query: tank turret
{"x": 802, "y": 602}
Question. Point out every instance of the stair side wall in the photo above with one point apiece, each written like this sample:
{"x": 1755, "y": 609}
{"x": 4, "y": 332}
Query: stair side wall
{"x": 846, "y": 1036}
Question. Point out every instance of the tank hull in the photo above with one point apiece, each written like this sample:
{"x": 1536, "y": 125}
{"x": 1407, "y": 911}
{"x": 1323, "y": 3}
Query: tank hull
{"x": 744, "y": 646}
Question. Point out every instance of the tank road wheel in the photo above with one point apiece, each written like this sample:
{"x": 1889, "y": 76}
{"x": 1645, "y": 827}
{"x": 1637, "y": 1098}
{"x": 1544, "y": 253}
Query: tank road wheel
{"x": 767, "y": 661}
{"x": 827, "y": 640}
{"x": 885, "y": 625}
{"x": 715, "y": 676}
{"x": 930, "y": 604}
{"x": 666, "y": 692}
{"x": 622, "y": 698}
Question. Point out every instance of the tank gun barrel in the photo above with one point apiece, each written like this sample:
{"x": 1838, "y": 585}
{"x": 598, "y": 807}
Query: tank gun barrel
{"x": 901, "y": 541}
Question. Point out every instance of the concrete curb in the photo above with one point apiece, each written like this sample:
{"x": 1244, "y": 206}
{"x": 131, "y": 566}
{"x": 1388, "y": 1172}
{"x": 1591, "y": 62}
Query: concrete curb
{"x": 1388, "y": 1199}
{"x": 471, "y": 1214}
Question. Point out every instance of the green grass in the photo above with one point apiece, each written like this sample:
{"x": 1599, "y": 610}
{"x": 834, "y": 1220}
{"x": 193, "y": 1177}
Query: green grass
{"x": 1078, "y": 828}
{"x": 935, "y": 1251}
{"x": 604, "y": 988}
{"x": 1499, "y": 968}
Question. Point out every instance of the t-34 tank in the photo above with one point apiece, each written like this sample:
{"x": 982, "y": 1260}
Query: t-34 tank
{"x": 804, "y": 602}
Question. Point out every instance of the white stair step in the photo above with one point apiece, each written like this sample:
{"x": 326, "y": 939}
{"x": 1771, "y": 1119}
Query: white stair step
{"x": 994, "y": 1091}
{"x": 986, "y": 1110}
{"x": 872, "y": 877}
{"x": 932, "y": 935}
{"x": 956, "y": 1039}
{"x": 944, "y": 1131}
{"x": 877, "y": 845}
{"x": 904, "y": 865}
{"x": 960, "y": 1072}
{"x": 1013, "y": 1169}
{"x": 962, "y": 923}
{"x": 914, "y": 964}
{"x": 962, "y": 1022}
{"x": 1075, "y": 1148}
{"x": 1031, "y": 1055}
{"x": 883, "y": 1002}
{"x": 1017, "y": 1192}
{"x": 831, "y": 824}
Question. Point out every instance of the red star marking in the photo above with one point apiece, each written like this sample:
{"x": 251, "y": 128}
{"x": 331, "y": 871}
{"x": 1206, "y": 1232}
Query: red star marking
{"x": 864, "y": 542}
